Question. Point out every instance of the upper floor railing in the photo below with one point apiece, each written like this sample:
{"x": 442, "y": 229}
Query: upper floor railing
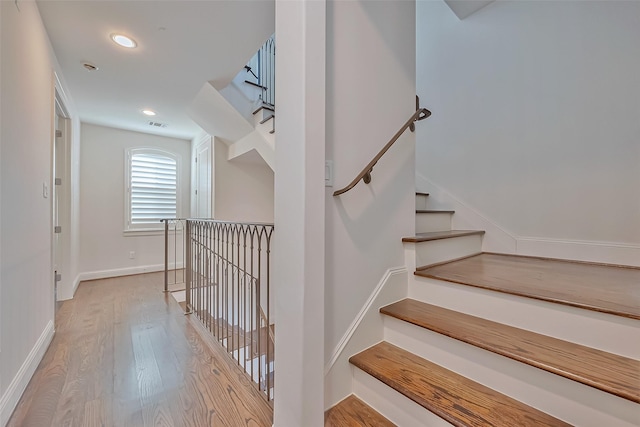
{"x": 263, "y": 70}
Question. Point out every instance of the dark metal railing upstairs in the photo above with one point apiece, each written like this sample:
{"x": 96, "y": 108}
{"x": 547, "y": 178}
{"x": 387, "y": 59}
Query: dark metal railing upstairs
{"x": 266, "y": 71}
{"x": 227, "y": 287}
{"x": 267, "y": 75}
{"x": 365, "y": 174}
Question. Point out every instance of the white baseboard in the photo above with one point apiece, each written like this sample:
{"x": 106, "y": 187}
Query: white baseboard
{"x": 10, "y": 398}
{"x": 497, "y": 239}
{"x": 365, "y": 331}
{"x": 117, "y": 272}
{"x": 580, "y": 250}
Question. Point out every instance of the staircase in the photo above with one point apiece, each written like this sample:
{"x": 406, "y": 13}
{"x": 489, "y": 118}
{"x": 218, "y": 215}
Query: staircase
{"x": 242, "y": 113}
{"x": 492, "y": 339}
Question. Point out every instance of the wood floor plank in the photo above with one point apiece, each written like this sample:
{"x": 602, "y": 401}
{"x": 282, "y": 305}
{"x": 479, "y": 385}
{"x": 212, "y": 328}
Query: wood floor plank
{"x": 353, "y": 412}
{"x": 608, "y": 289}
{"x": 454, "y": 398}
{"x": 605, "y": 371}
{"x": 124, "y": 354}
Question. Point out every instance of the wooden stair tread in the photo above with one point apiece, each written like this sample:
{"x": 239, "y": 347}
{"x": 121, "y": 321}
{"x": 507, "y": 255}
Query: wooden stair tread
{"x": 455, "y": 398}
{"x": 608, "y": 372}
{"x": 263, "y": 107}
{"x": 273, "y": 116}
{"x": 420, "y": 211}
{"x": 255, "y": 84}
{"x": 353, "y": 412}
{"x": 438, "y": 235}
{"x": 608, "y": 289}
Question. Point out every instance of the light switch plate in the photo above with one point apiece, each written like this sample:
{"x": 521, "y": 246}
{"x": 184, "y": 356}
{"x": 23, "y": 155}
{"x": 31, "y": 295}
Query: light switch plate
{"x": 328, "y": 173}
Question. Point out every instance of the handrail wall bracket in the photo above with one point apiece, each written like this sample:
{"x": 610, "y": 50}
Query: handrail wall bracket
{"x": 365, "y": 174}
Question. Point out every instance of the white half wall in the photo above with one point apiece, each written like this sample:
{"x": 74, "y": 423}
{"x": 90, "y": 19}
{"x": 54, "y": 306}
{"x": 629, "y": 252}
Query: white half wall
{"x": 26, "y": 143}
{"x": 243, "y": 190}
{"x": 535, "y": 120}
{"x": 103, "y": 243}
{"x": 370, "y": 95}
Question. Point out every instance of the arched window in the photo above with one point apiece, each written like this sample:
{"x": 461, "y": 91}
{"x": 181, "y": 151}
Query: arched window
{"x": 152, "y": 188}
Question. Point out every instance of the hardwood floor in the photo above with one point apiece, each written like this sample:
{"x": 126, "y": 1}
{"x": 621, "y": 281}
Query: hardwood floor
{"x": 614, "y": 290}
{"x": 353, "y": 412}
{"x": 124, "y": 354}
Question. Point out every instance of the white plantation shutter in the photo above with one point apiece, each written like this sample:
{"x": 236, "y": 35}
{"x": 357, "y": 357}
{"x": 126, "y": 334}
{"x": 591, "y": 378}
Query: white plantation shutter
{"x": 153, "y": 183}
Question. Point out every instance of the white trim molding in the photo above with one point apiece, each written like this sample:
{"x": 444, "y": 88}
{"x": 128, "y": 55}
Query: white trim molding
{"x": 497, "y": 239}
{"x": 12, "y": 395}
{"x": 366, "y": 330}
{"x": 626, "y": 254}
{"x": 117, "y": 272}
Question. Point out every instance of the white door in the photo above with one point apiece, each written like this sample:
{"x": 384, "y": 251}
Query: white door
{"x": 203, "y": 179}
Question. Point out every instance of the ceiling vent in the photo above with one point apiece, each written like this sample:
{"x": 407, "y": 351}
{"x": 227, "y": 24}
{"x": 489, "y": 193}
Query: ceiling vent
{"x": 157, "y": 124}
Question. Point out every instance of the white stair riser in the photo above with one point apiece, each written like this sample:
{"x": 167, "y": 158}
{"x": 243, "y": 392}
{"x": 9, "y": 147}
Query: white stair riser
{"x": 421, "y": 201}
{"x": 562, "y": 398}
{"x": 426, "y": 222}
{"x": 394, "y": 406}
{"x": 436, "y": 251}
{"x": 585, "y": 327}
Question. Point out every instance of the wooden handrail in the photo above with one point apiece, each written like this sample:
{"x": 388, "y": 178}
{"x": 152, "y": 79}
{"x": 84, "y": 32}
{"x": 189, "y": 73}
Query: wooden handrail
{"x": 365, "y": 175}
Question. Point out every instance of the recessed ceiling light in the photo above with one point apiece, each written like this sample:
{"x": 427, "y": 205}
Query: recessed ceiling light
{"x": 124, "y": 41}
{"x": 149, "y": 112}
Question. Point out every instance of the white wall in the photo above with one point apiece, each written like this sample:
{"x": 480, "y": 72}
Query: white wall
{"x": 535, "y": 120}
{"x": 242, "y": 191}
{"x": 103, "y": 245}
{"x": 370, "y": 95}
{"x": 298, "y": 251}
{"x": 26, "y": 136}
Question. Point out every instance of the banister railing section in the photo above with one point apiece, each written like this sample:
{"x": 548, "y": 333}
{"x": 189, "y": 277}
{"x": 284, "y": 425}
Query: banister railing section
{"x": 227, "y": 287}
{"x": 174, "y": 253}
{"x": 365, "y": 174}
{"x": 267, "y": 71}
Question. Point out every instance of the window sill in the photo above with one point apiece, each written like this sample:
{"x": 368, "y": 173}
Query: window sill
{"x": 148, "y": 232}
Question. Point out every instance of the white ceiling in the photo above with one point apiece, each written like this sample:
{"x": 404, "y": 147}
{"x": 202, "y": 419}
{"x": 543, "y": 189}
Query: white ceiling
{"x": 181, "y": 45}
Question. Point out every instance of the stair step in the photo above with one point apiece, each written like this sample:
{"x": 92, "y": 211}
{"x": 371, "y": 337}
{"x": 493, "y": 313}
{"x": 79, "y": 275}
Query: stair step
{"x": 438, "y": 235}
{"x": 263, "y": 107}
{"x": 354, "y": 412}
{"x": 432, "y": 220}
{"x": 608, "y": 289}
{"x": 454, "y": 398}
{"x": 272, "y": 116}
{"x": 608, "y": 372}
{"x": 434, "y": 211}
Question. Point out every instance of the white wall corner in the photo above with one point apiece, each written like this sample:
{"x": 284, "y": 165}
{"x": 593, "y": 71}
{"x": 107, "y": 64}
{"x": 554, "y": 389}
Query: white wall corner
{"x": 466, "y": 8}
{"x": 14, "y": 391}
{"x": 365, "y": 331}
{"x": 496, "y": 238}
{"x": 254, "y": 141}
{"x": 213, "y": 113}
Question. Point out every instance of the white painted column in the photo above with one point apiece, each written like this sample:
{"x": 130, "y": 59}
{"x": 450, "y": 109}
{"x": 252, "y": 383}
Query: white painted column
{"x": 298, "y": 277}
